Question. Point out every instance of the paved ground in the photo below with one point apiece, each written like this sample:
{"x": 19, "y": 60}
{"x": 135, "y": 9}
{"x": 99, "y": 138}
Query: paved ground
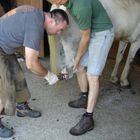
{"x": 117, "y": 115}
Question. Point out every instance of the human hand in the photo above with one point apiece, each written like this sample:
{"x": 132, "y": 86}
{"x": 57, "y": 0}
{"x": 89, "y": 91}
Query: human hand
{"x": 51, "y": 78}
{"x": 76, "y": 64}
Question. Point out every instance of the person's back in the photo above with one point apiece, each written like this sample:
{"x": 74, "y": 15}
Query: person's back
{"x": 22, "y": 26}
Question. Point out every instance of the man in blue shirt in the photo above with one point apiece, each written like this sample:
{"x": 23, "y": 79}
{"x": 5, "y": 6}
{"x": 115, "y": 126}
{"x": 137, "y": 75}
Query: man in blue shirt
{"x": 24, "y": 26}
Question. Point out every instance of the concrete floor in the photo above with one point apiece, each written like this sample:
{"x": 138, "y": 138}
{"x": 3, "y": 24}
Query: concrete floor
{"x": 117, "y": 114}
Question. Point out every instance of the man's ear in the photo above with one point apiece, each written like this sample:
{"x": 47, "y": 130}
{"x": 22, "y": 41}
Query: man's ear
{"x": 52, "y": 21}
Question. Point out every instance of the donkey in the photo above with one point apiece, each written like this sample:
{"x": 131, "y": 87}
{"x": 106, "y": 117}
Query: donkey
{"x": 125, "y": 16}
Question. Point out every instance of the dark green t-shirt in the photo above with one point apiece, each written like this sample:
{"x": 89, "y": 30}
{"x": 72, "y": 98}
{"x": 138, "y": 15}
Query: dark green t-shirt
{"x": 89, "y": 14}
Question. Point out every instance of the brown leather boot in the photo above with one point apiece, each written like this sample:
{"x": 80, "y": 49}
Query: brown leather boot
{"x": 84, "y": 125}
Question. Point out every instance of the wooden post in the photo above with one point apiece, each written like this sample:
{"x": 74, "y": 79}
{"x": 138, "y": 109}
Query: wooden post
{"x": 53, "y": 54}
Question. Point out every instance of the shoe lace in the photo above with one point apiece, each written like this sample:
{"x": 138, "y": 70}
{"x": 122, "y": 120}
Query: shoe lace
{"x": 24, "y": 106}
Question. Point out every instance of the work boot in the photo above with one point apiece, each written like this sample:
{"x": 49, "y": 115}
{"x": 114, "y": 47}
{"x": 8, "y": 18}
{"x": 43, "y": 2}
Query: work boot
{"x": 24, "y": 110}
{"x": 84, "y": 125}
{"x": 79, "y": 103}
{"x": 4, "y": 131}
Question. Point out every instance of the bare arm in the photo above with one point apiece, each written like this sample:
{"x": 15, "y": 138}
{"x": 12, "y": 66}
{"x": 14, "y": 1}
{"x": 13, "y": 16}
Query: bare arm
{"x": 32, "y": 62}
{"x": 82, "y": 46}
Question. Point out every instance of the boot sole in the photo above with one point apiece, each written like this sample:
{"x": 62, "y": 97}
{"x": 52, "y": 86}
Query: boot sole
{"x": 77, "y": 106}
{"x": 74, "y": 134}
{"x": 19, "y": 114}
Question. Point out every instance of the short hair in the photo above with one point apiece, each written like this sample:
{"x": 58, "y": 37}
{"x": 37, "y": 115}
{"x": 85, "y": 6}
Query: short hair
{"x": 59, "y": 15}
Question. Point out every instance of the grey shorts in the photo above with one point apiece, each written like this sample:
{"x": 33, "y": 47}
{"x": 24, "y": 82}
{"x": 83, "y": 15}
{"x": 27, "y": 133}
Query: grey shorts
{"x": 95, "y": 57}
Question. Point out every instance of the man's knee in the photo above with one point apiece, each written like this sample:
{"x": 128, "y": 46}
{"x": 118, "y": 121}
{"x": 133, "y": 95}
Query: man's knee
{"x": 92, "y": 77}
{"x": 81, "y": 69}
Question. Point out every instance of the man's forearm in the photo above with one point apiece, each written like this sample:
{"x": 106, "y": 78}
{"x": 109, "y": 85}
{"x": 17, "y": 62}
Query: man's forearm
{"x": 81, "y": 50}
{"x": 38, "y": 69}
{"x": 83, "y": 44}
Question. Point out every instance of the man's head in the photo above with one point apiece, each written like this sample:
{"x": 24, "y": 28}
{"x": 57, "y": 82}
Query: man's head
{"x": 56, "y": 21}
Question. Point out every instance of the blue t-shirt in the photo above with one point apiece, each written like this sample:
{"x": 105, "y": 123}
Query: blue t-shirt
{"x": 23, "y": 26}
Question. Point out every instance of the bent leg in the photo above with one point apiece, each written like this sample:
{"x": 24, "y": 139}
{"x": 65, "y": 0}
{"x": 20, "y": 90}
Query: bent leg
{"x": 99, "y": 47}
{"x": 132, "y": 51}
{"x": 82, "y": 79}
{"x": 120, "y": 52}
{"x": 93, "y": 92}
{"x": 81, "y": 102}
